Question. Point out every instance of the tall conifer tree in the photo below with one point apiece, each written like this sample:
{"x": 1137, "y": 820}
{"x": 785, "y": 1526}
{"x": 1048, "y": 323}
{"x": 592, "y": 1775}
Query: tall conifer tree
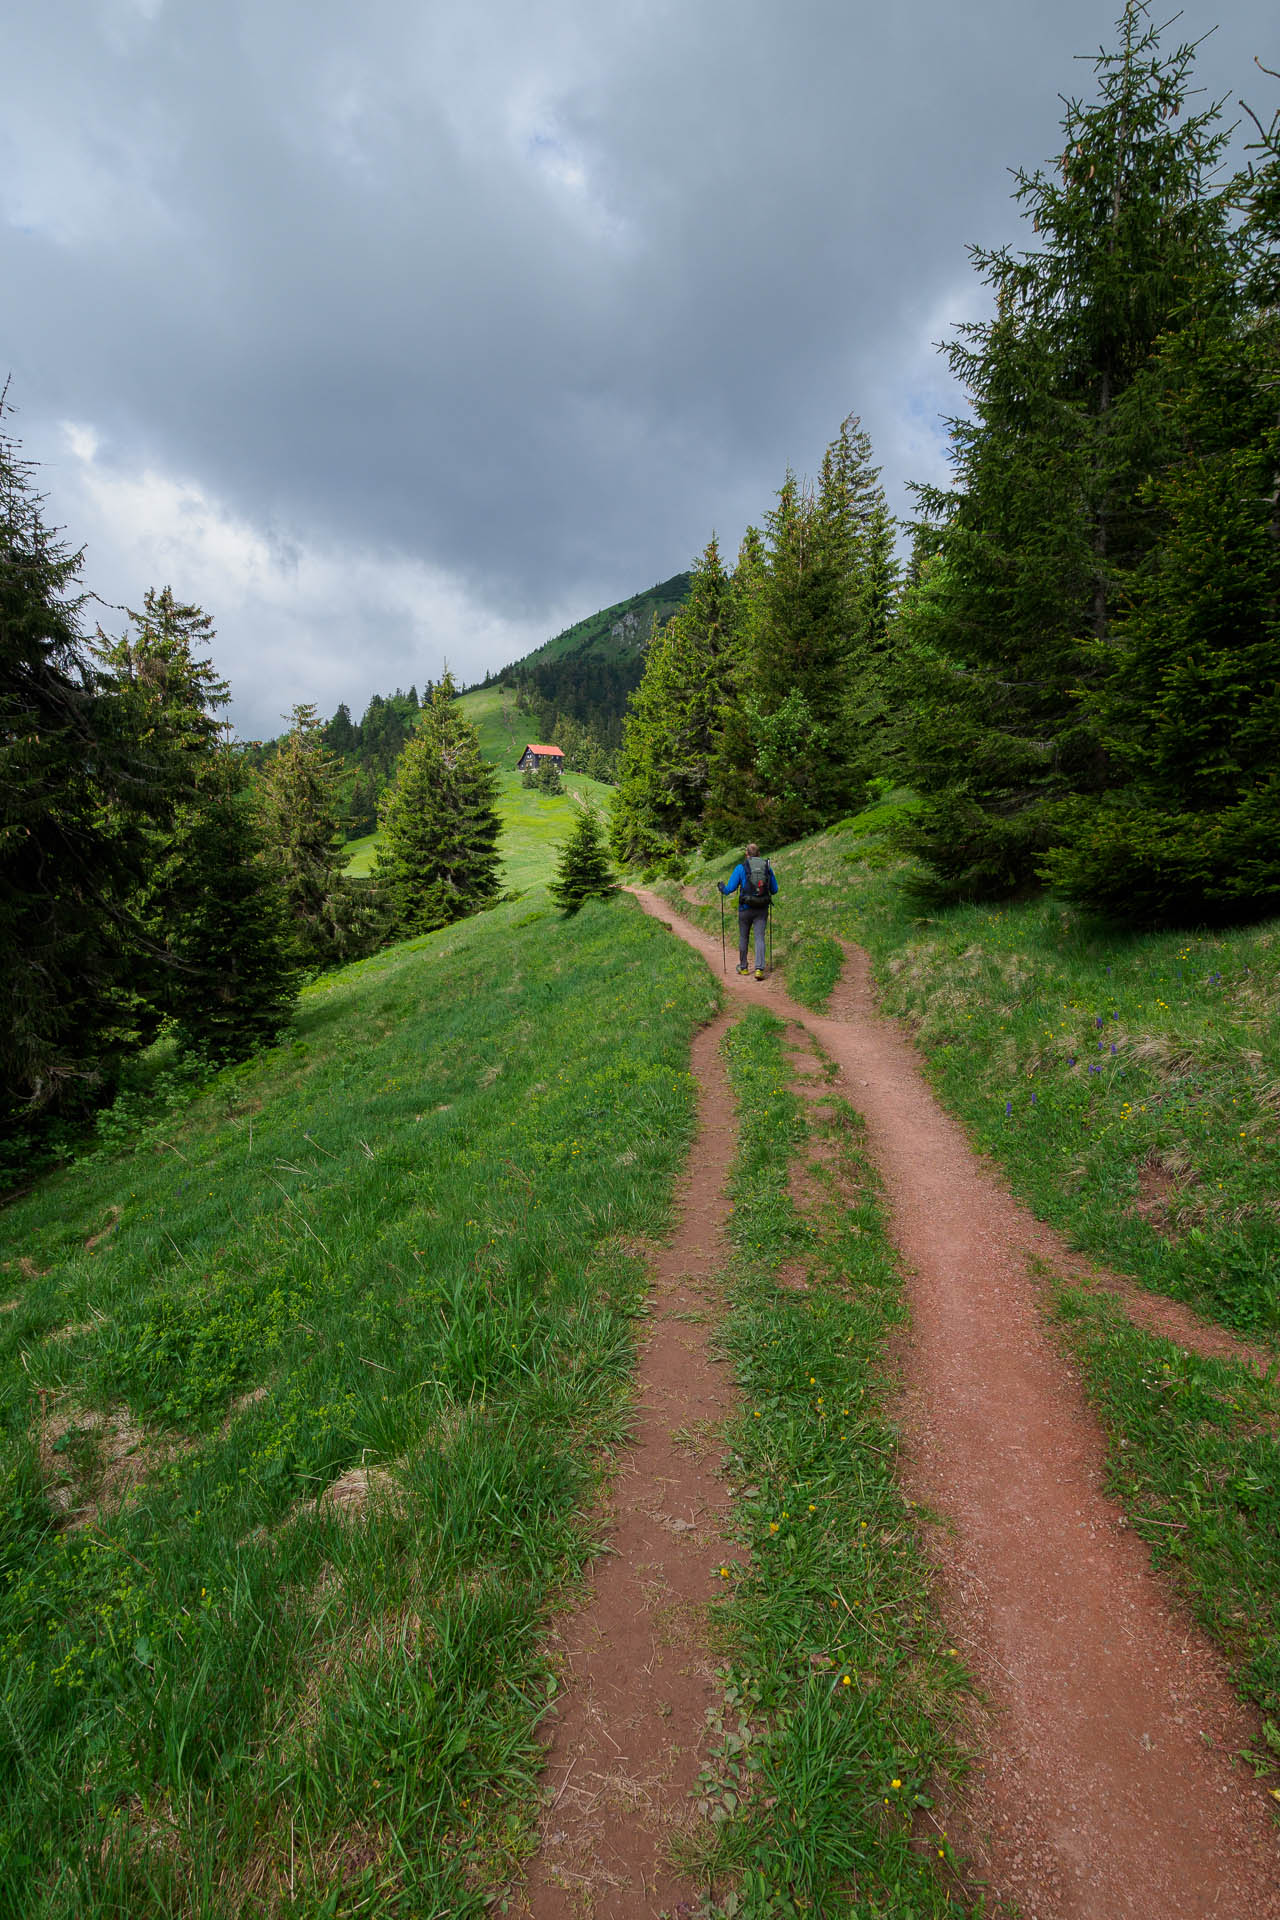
{"x": 299, "y": 804}
{"x": 438, "y": 857}
{"x": 737, "y": 804}
{"x": 665, "y": 765}
{"x": 1185, "y": 696}
{"x": 1047, "y": 528}
{"x": 211, "y": 947}
{"x": 66, "y": 868}
{"x": 800, "y": 674}
{"x": 229, "y": 977}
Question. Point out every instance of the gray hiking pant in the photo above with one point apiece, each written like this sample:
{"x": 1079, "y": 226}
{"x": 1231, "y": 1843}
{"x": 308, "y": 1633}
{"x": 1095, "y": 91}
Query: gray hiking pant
{"x": 749, "y": 918}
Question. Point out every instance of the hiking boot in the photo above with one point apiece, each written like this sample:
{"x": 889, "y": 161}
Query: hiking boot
{"x": 744, "y": 969}
{"x": 759, "y": 973}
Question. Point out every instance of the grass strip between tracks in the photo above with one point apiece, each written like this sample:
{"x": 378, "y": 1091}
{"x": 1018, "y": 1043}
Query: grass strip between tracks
{"x": 834, "y": 1740}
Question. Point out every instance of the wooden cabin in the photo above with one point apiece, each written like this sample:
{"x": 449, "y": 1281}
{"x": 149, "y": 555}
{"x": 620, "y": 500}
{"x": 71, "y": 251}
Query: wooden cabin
{"x": 536, "y": 756}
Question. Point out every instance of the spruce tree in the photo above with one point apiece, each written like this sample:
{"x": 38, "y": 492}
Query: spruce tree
{"x": 583, "y": 871}
{"x": 298, "y": 796}
{"x": 1047, "y": 528}
{"x": 167, "y": 696}
{"x": 340, "y": 736}
{"x": 1186, "y": 699}
{"x": 872, "y": 732}
{"x": 800, "y": 675}
{"x": 67, "y": 866}
{"x": 737, "y": 805}
{"x": 230, "y": 976}
{"x": 664, "y": 769}
{"x": 438, "y": 855}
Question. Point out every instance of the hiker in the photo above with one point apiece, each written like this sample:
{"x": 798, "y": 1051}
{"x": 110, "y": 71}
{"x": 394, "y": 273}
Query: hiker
{"x": 755, "y": 883}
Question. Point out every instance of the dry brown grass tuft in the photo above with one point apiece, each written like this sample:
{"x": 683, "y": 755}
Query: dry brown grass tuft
{"x": 92, "y": 1462}
{"x": 354, "y": 1492}
{"x": 1172, "y": 1059}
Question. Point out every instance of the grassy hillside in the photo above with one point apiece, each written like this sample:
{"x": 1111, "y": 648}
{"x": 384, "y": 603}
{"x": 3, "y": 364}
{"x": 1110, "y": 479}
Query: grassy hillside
{"x": 533, "y": 824}
{"x": 317, "y": 1375}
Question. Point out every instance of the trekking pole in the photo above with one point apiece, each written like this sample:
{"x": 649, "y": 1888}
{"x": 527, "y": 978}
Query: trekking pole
{"x": 771, "y": 939}
{"x": 724, "y": 958}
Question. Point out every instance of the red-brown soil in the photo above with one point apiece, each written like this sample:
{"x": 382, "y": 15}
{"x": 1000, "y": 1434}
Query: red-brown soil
{"x": 1108, "y": 1790}
{"x": 638, "y": 1678}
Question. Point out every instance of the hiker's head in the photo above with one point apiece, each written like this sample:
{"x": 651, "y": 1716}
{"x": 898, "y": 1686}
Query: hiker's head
{"x": 752, "y": 851}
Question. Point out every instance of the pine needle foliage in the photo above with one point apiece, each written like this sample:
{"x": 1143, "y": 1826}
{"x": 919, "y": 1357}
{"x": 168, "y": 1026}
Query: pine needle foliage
{"x": 583, "y": 871}
{"x": 438, "y": 857}
{"x": 209, "y": 921}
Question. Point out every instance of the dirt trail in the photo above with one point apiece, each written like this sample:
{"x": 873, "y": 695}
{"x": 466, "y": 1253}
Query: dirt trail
{"x": 638, "y": 1679}
{"x": 1109, "y": 1792}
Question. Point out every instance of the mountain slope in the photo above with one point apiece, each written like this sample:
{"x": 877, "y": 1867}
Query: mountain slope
{"x": 589, "y": 671}
{"x": 614, "y": 633}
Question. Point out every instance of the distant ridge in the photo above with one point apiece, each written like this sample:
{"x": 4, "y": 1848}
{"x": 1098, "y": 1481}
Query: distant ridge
{"x": 589, "y": 670}
{"x": 615, "y": 632}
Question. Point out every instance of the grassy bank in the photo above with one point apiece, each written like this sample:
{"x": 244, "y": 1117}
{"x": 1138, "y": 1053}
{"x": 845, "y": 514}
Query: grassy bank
{"x": 1129, "y": 1084}
{"x": 1193, "y": 1455}
{"x": 302, "y": 1399}
{"x": 840, "y": 1687}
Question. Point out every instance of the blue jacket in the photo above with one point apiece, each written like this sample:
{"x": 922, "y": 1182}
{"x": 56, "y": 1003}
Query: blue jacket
{"x": 738, "y": 880}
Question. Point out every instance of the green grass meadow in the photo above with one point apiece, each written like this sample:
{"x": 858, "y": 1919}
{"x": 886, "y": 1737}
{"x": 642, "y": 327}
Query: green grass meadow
{"x": 534, "y": 825}
{"x": 387, "y": 1264}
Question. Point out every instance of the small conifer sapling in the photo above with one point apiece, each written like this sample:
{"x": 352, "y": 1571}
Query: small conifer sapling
{"x": 583, "y": 871}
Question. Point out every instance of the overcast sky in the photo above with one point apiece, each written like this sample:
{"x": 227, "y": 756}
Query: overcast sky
{"x": 416, "y": 329}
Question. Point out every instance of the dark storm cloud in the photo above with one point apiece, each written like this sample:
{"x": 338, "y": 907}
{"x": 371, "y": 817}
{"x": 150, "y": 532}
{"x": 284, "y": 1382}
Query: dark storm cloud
{"x": 420, "y": 328}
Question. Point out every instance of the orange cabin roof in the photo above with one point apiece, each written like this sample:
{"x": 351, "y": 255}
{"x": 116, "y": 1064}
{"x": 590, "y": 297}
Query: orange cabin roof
{"x": 531, "y": 748}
